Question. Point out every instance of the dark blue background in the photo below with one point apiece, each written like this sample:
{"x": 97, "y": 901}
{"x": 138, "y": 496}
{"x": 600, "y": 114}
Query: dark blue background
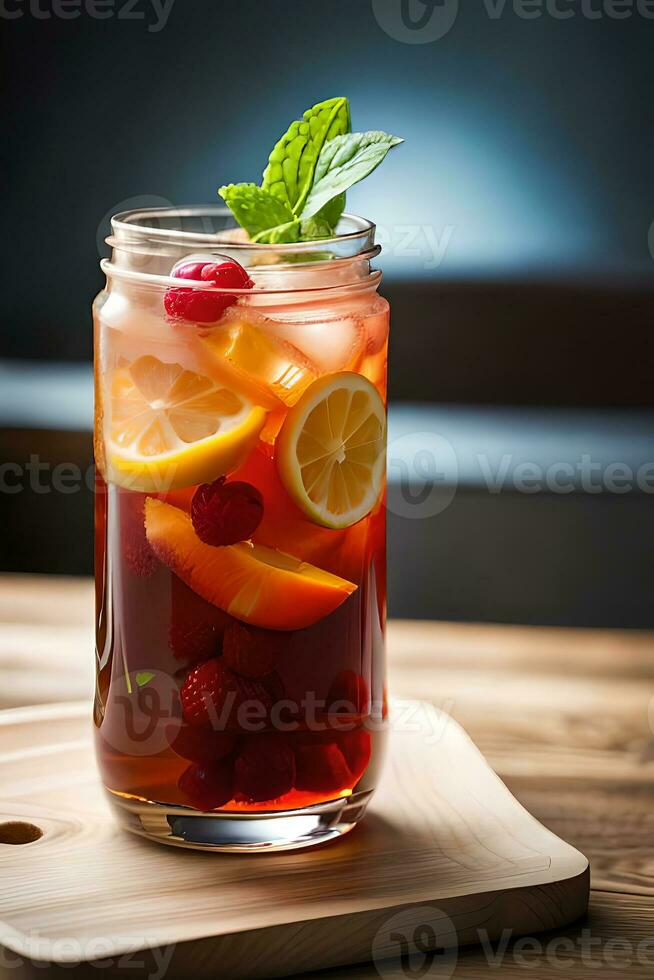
{"x": 531, "y": 139}
{"x": 529, "y": 145}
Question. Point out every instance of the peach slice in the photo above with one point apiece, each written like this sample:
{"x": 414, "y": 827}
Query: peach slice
{"x": 257, "y": 585}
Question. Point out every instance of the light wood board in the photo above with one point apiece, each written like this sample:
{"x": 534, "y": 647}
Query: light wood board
{"x": 444, "y": 842}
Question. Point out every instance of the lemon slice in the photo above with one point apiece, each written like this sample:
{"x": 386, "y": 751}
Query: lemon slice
{"x": 331, "y": 450}
{"x": 169, "y": 427}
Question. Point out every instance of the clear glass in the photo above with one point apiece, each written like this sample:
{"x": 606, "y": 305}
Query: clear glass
{"x": 240, "y": 533}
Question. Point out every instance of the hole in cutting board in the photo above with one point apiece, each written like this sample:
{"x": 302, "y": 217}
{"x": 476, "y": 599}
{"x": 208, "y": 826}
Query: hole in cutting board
{"x": 19, "y": 832}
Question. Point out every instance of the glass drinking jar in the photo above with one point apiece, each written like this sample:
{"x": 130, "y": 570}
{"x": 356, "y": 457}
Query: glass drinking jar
{"x": 240, "y": 531}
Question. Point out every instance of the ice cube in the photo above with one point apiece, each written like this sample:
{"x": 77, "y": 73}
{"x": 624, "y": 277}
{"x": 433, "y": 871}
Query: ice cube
{"x": 131, "y": 330}
{"x": 262, "y": 364}
{"x": 375, "y": 327}
{"x": 330, "y": 343}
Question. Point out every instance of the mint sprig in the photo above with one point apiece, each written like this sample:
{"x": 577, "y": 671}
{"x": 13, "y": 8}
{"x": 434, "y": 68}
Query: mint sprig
{"x": 345, "y": 161}
{"x": 310, "y": 168}
{"x": 292, "y": 163}
{"x": 260, "y": 212}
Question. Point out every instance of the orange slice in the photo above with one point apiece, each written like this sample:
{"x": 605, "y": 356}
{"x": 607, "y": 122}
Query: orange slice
{"x": 169, "y": 427}
{"x": 331, "y": 450}
{"x": 257, "y": 585}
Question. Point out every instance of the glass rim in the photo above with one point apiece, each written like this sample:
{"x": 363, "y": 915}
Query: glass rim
{"x": 125, "y": 229}
{"x": 164, "y": 282}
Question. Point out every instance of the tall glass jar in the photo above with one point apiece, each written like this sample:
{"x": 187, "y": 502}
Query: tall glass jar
{"x": 240, "y": 531}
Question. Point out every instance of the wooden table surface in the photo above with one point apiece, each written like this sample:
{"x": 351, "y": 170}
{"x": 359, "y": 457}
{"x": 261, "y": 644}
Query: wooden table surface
{"x": 566, "y": 717}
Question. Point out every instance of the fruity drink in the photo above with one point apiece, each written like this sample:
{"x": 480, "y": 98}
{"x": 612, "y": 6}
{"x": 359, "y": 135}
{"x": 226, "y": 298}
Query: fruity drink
{"x": 240, "y": 534}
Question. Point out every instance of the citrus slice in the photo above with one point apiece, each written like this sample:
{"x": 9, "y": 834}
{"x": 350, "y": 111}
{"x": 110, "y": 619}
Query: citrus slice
{"x": 169, "y": 427}
{"x": 257, "y": 585}
{"x": 331, "y": 450}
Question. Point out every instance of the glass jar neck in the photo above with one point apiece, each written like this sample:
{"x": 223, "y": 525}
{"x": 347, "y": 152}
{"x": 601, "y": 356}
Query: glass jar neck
{"x": 146, "y": 245}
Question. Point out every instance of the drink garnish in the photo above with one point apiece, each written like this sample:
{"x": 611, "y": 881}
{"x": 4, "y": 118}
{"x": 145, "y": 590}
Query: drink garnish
{"x": 199, "y": 306}
{"x": 302, "y": 194}
{"x": 226, "y": 513}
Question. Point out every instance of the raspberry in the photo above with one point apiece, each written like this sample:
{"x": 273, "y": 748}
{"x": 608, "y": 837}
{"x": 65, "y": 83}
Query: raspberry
{"x": 265, "y": 769}
{"x": 252, "y": 652}
{"x": 137, "y": 553}
{"x": 225, "y": 513}
{"x": 208, "y": 787}
{"x": 204, "y": 307}
{"x": 286, "y": 711}
{"x": 202, "y": 745}
{"x": 350, "y": 689}
{"x": 140, "y": 559}
{"x": 190, "y": 270}
{"x": 322, "y": 768}
{"x": 227, "y": 274}
{"x": 356, "y": 746}
{"x": 193, "y": 642}
{"x": 196, "y": 627}
{"x": 212, "y": 689}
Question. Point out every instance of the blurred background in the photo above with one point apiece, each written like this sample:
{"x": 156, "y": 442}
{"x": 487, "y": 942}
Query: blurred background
{"x": 517, "y": 226}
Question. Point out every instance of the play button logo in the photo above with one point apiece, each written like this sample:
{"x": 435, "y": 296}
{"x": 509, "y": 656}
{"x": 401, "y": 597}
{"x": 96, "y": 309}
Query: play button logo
{"x": 416, "y": 21}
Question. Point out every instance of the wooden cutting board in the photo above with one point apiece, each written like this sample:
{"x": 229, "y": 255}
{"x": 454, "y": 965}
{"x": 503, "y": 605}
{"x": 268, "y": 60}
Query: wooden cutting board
{"x": 445, "y": 856}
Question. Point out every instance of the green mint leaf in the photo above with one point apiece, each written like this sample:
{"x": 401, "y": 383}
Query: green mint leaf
{"x": 290, "y": 171}
{"x": 316, "y": 227}
{"x": 144, "y": 677}
{"x": 344, "y": 161}
{"x": 280, "y": 234}
{"x": 333, "y": 210}
{"x": 255, "y": 209}
{"x": 323, "y": 224}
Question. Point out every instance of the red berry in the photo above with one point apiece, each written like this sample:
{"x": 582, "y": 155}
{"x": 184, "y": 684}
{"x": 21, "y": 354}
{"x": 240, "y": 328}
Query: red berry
{"x": 252, "y": 652}
{"x": 227, "y": 274}
{"x": 265, "y": 769}
{"x": 348, "y": 694}
{"x": 213, "y": 694}
{"x": 284, "y": 711}
{"x": 193, "y": 642}
{"x": 356, "y": 746}
{"x": 137, "y": 553}
{"x": 208, "y": 787}
{"x": 197, "y": 305}
{"x": 225, "y": 513}
{"x": 196, "y": 626}
{"x": 201, "y": 745}
{"x": 190, "y": 270}
{"x": 322, "y": 768}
